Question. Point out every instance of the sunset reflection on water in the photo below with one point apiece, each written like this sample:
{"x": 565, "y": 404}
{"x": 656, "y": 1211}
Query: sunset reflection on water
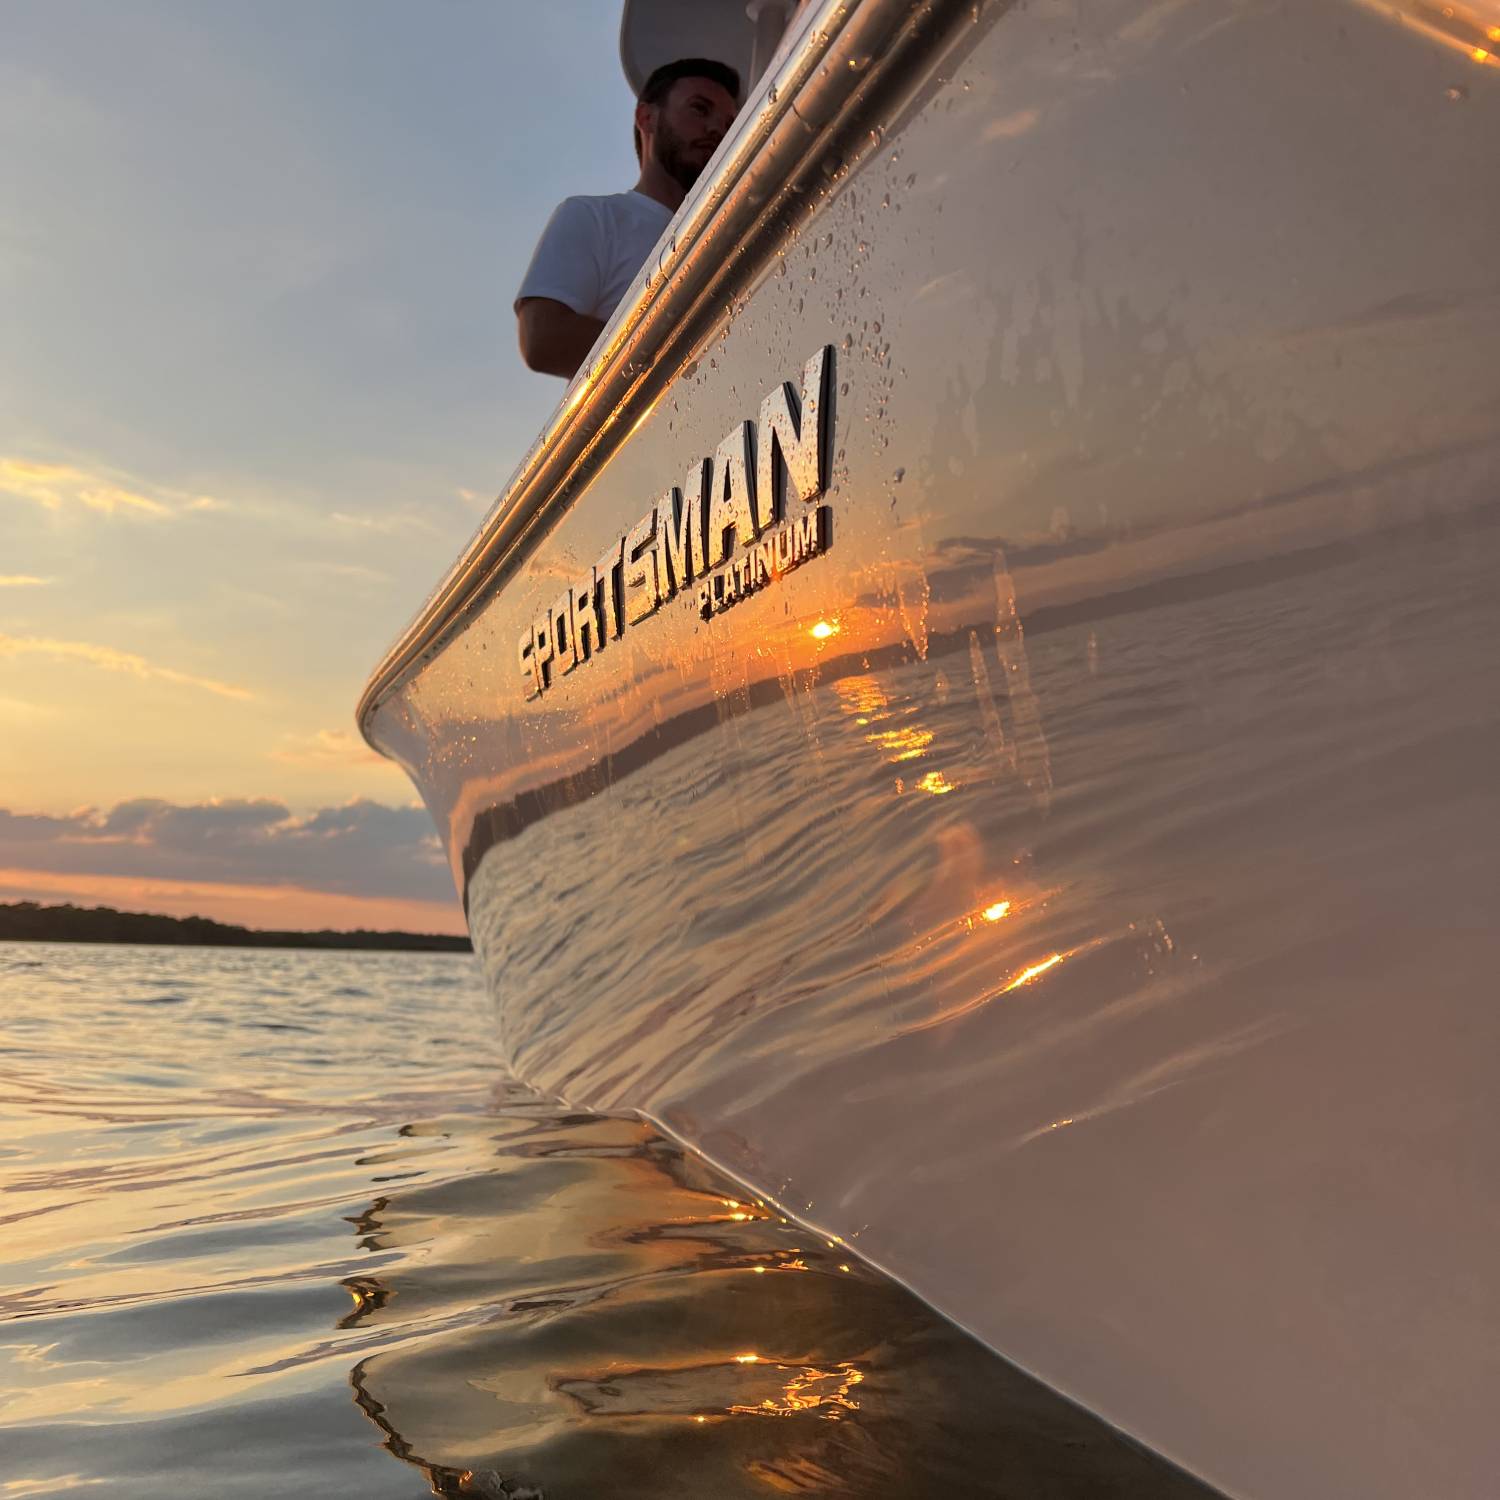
{"x": 279, "y": 1211}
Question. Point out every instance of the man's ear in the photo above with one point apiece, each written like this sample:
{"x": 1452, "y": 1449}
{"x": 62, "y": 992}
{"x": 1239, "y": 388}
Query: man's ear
{"x": 645, "y": 122}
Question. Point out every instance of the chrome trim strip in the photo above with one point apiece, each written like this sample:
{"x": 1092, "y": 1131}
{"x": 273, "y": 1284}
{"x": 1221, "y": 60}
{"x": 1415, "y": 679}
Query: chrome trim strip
{"x": 724, "y": 233}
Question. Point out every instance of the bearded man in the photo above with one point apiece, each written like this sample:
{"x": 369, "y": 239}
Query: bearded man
{"x": 592, "y": 248}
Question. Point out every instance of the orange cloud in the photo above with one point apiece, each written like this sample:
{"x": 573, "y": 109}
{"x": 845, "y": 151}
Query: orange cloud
{"x": 358, "y": 572}
{"x": 20, "y": 711}
{"x": 114, "y": 661}
{"x": 282, "y": 907}
{"x": 330, "y": 747}
{"x": 390, "y": 525}
{"x": 22, "y": 581}
{"x": 110, "y": 499}
{"x": 42, "y": 484}
{"x": 54, "y": 486}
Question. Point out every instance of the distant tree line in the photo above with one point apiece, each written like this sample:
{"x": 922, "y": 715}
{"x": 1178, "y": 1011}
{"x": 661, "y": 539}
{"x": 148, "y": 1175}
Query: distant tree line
{"x": 26, "y": 921}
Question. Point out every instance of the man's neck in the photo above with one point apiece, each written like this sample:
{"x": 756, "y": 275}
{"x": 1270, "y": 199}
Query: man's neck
{"x": 656, "y": 182}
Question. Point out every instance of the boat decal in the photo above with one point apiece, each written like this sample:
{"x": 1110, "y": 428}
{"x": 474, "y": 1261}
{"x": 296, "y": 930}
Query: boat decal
{"x": 728, "y": 531}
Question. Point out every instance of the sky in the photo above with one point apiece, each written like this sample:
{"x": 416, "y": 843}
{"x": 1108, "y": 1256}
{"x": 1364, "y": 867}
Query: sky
{"x": 258, "y": 385}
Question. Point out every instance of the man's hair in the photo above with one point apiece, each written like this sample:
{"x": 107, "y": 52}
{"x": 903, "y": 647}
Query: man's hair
{"x": 659, "y": 84}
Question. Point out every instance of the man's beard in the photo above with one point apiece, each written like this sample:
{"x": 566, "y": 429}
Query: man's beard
{"x": 672, "y": 153}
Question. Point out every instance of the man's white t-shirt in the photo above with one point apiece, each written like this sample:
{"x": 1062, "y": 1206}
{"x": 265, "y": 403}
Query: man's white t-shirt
{"x": 591, "y": 249}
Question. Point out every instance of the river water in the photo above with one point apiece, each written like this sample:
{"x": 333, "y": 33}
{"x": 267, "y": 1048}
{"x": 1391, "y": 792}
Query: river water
{"x": 278, "y": 1224}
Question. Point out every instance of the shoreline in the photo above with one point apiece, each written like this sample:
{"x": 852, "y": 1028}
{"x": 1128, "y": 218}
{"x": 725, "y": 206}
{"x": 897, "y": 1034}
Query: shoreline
{"x": 29, "y": 922}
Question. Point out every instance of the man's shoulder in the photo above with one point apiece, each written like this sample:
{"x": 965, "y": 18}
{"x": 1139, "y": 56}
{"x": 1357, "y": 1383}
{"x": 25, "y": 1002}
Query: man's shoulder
{"x": 592, "y": 248}
{"x": 610, "y": 220}
{"x": 626, "y": 202}
{"x": 607, "y": 208}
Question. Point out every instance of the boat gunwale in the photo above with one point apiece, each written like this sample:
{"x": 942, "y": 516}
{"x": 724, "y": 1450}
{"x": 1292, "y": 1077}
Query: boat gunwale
{"x": 793, "y": 111}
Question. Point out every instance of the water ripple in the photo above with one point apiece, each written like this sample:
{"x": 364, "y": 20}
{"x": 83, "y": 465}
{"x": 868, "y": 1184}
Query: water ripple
{"x": 273, "y": 1241}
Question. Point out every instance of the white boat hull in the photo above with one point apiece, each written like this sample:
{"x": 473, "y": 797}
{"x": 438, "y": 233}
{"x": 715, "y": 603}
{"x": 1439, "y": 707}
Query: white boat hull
{"x": 1074, "y": 886}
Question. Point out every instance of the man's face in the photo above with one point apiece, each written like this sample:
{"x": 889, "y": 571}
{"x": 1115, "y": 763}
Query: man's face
{"x": 690, "y": 123}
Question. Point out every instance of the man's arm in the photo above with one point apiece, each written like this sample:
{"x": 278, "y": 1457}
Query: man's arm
{"x": 555, "y": 340}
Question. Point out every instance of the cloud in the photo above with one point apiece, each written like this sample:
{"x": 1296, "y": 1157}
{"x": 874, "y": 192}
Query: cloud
{"x": 357, "y": 571}
{"x": 60, "y": 486}
{"x": 22, "y": 581}
{"x": 386, "y": 525}
{"x": 166, "y": 825}
{"x": 328, "y": 747}
{"x": 18, "y": 711}
{"x": 114, "y": 661}
{"x": 361, "y": 848}
{"x": 42, "y": 484}
{"x": 110, "y": 500}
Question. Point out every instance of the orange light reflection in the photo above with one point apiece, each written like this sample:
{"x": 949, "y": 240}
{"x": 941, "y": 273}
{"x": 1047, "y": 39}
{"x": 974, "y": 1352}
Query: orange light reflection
{"x": 1028, "y": 975}
{"x": 1454, "y": 25}
{"x": 902, "y": 744}
{"x": 1034, "y": 972}
{"x": 808, "y": 1389}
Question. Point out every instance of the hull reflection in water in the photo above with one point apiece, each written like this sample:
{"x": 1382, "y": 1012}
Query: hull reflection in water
{"x": 599, "y": 1312}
